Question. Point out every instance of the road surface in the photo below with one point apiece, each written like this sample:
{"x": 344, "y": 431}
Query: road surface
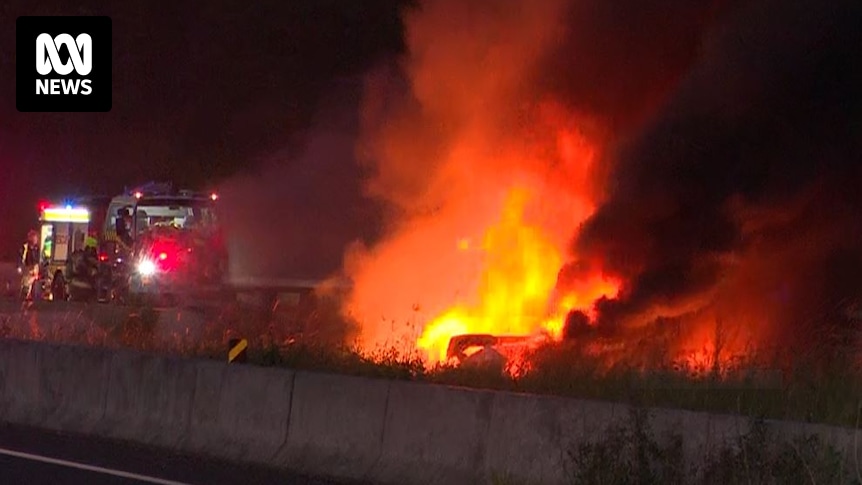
{"x": 38, "y": 457}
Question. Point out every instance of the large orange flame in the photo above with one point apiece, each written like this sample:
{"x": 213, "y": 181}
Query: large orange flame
{"x": 488, "y": 180}
{"x": 487, "y": 263}
{"x": 521, "y": 263}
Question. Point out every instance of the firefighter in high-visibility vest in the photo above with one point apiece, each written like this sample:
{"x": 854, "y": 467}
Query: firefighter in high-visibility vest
{"x": 28, "y": 265}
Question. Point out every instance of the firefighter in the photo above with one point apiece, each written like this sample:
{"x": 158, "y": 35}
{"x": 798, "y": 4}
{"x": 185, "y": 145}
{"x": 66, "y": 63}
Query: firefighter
{"x": 28, "y": 265}
{"x": 91, "y": 259}
{"x": 122, "y": 232}
{"x": 73, "y": 271}
{"x": 84, "y": 268}
{"x": 119, "y": 236}
{"x": 91, "y": 243}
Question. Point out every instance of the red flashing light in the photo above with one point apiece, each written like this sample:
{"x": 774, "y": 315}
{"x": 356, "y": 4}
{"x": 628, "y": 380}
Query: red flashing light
{"x": 166, "y": 255}
{"x": 138, "y": 195}
{"x": 214, "y": 196}
{"x": 103, "y": 257}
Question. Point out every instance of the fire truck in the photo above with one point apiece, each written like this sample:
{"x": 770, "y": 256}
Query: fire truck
{"x": 161, "y": 244}
{"x": 157, "y": 245}
{"x": 64, "y": 230}
{"x": 151, "y": 241}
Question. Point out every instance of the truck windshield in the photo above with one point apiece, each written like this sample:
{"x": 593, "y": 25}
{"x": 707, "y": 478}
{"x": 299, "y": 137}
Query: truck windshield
{"x": 180, "y": 213}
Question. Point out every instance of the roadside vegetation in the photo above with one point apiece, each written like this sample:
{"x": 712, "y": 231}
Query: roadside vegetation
{"x": 798, "y": 387}
{"x": 817, "y": 386}
{"x": 830, "y": 395}
{"x": 632, "y": 453}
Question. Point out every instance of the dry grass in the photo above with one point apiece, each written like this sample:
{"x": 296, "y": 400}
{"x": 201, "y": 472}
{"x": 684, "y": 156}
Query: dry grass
{"x": 804, "y": 388}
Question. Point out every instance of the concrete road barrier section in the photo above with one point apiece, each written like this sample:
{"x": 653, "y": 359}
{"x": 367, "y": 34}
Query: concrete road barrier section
{"x": 330, "y": 425}
{"x": 337, "y": 423}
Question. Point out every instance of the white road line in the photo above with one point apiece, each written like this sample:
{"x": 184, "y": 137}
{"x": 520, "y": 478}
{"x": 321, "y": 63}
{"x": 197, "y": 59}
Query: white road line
{"x": 91, "y": 468}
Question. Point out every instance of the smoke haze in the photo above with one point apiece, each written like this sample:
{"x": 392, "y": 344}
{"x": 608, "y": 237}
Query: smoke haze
{"x": 293, "y": 216}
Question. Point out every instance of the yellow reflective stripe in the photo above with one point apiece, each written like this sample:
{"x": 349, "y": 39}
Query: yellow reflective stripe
{"x": 237, "y": 349}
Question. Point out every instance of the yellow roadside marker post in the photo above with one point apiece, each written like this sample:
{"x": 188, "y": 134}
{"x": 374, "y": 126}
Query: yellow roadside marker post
{"x": 236, "y": 351}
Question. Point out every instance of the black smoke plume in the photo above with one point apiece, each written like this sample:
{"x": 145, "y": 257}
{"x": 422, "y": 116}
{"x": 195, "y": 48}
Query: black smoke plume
{"x": 742, "y": 193}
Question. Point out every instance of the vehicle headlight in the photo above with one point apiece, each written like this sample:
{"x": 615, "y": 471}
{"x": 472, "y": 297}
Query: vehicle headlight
{"x": 147, "y": 268}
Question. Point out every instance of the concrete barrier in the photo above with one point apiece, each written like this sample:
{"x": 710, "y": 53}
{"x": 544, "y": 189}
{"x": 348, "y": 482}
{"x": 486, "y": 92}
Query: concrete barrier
{"x": 53, "y": 386}
{"x": 438, "y": 430}
{"x": 240, "y": 412}
{"x": 529, "y": 435}
{"x": 340, "y": 426}
{"x": 149, "y": 399}
{"x": 337, "y": 424}
{"x": 73, "y": 388}
{"x": 20, "y": 382}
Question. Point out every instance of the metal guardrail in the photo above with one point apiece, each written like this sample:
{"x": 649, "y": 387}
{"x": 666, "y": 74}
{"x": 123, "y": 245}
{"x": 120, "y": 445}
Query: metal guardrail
{"x": 257, "y": 283}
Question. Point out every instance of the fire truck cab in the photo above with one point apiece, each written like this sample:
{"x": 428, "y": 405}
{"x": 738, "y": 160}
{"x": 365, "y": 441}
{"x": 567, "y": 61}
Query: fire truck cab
{"x": 149, "y": 240}
{"x": 167, "y": 241}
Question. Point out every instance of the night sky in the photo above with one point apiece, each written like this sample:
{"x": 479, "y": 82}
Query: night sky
{"x": 202, "y": 92}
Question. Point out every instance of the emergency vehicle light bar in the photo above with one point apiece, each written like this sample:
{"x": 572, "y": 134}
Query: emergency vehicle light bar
{"x": 65, "y": 214}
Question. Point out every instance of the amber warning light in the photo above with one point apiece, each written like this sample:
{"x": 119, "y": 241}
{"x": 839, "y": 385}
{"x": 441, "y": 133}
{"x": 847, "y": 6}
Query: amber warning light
{"x": 65, "y": 214}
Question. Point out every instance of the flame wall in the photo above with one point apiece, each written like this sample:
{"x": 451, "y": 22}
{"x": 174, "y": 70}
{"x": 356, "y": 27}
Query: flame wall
{"x": 490, "y": 143}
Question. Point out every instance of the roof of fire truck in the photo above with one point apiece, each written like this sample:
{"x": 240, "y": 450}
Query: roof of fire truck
{"x": 160, "y": 191}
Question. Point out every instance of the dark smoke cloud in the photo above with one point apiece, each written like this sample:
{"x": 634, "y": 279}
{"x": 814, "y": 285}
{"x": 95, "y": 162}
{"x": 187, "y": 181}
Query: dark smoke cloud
{"x": 294, "y": 215}
{"x": 619, "y": 59}
{"x": 745, "y": 185}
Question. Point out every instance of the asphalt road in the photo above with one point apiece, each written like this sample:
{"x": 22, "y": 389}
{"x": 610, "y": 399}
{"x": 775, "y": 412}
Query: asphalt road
{"x": 36, "y": 457}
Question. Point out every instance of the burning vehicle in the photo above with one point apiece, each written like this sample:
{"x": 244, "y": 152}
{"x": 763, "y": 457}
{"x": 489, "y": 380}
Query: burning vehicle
{"x": 490, "y": 351}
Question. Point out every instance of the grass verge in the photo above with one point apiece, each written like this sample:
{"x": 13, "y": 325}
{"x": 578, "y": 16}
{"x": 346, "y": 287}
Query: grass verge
{"x": 812, "y": 389}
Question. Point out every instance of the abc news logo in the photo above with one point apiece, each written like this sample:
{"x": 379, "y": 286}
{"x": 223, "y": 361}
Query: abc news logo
{"x": 71, "y": 68}
{"x": 48, "y": 61}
